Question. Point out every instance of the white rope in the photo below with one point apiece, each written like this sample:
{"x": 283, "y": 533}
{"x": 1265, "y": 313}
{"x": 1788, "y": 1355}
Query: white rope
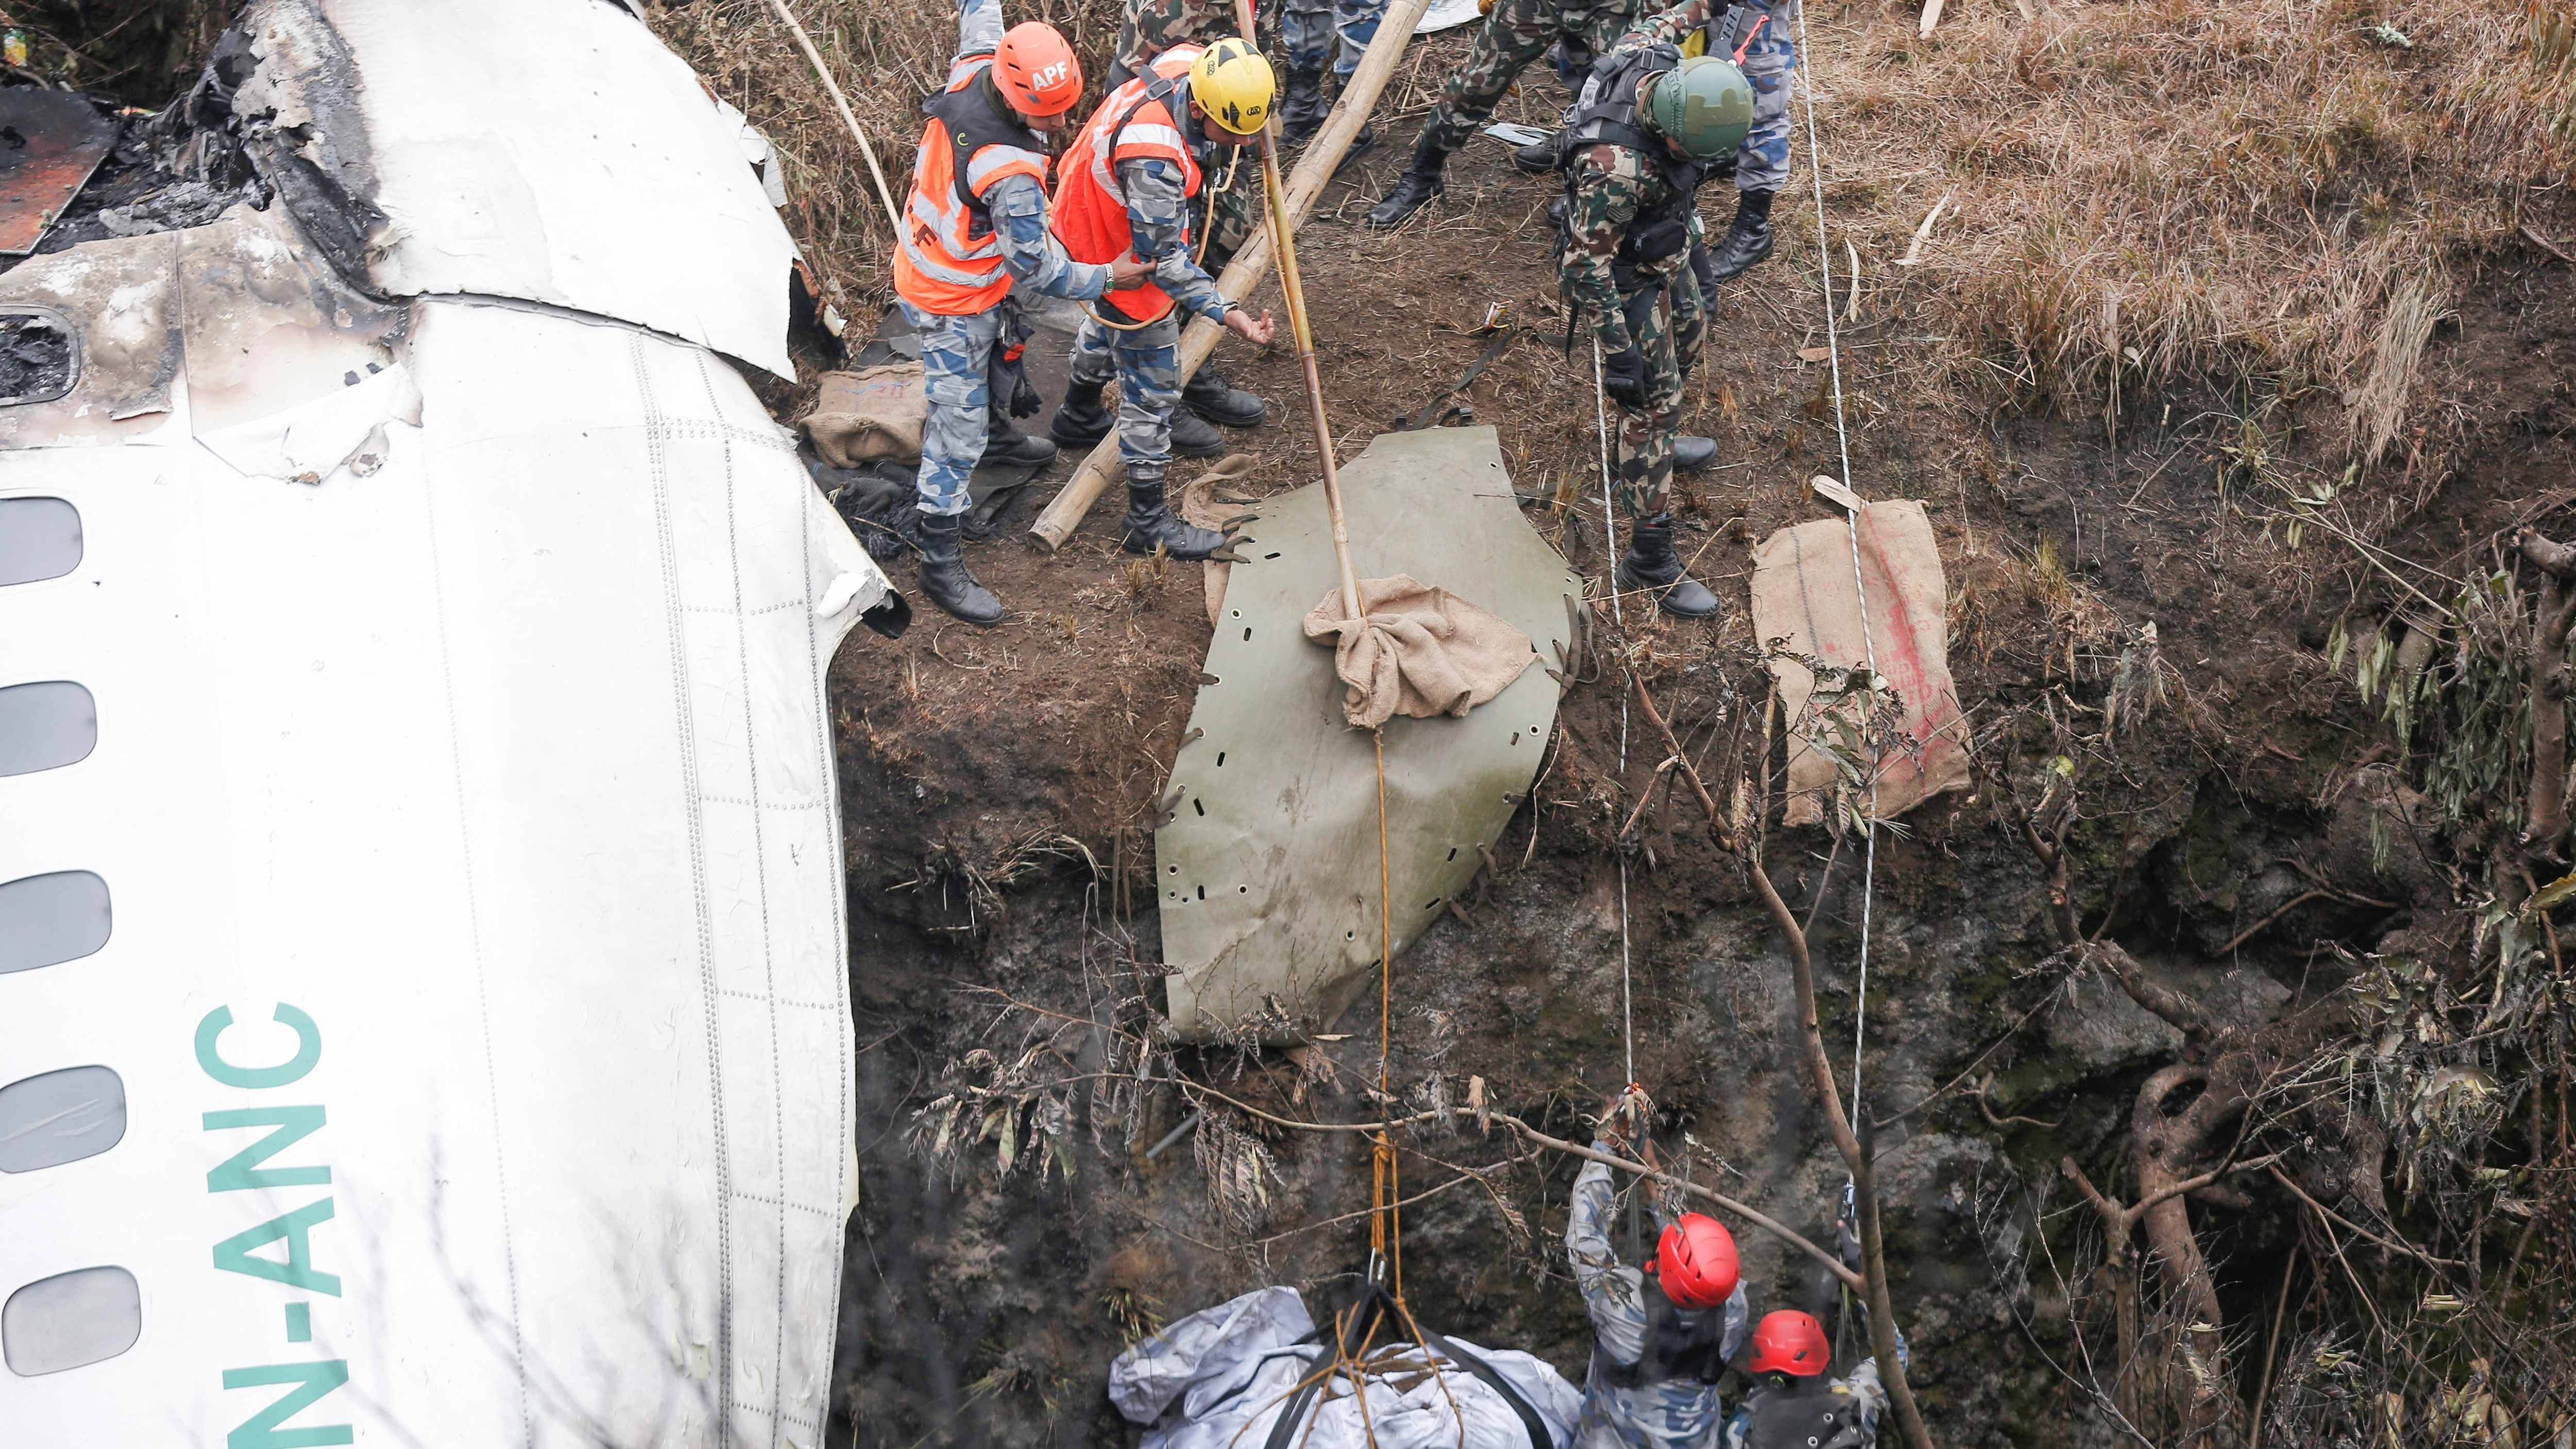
{"x": 1610, "y": 536}
{"x": 1851, "y": 526}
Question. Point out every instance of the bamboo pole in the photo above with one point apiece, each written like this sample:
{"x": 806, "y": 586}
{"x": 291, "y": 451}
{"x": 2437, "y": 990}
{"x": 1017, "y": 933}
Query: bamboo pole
{"x": 1065, "y": 512}
{"x": 1292, "y": 289}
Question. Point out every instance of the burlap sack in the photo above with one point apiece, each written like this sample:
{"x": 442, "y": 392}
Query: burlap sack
{"x": 877, "y": 412}
{"x": 1421, "y": 651}
{"x": 1803, "y": 592}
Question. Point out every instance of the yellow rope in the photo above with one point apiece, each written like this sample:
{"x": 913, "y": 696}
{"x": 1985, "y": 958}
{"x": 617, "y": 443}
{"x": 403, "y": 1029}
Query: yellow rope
{"x": 1233, "y": 159}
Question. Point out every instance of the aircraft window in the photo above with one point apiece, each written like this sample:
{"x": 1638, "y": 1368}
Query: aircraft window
{"x": 46, "y": 920}
{"x": 40, "y": 538}
{"x": 58, "y": 1117}
{"x": 50, "y": 723}
{"x": 37, "y": 359}
{"x": 71, "y": 1319}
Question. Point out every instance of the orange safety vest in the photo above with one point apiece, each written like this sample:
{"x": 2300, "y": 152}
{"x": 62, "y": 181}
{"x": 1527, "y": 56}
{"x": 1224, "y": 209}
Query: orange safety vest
{"x": 1090, "y": 211}
{"x": 950, "y": 262}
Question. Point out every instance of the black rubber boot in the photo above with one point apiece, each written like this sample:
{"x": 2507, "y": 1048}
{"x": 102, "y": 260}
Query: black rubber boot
{"x": 943, "y": 572}
{"x": 1693, "y": 454}
{"x": 1414, "y": 190}
{"x": 1210, "y": 396}
{"x": 1083, "y": 419}
{"x": 1194, "y": 436}
{"x": 1537, "y": 156}
{"x": 1301, "y": 109}
{"x": 1009, "y": 446}
{"x": 1652, "y": 564}
{"x": 1361, "y": 145}
{"x": 1150, "y": 521}
{"x": 1747, "y": 241}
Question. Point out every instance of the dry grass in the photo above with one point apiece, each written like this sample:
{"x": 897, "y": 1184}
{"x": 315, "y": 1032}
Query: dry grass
{"x": 2269, "y": 198}
{"x": 2175, "y": 192}
{"x": 887, "y": 57}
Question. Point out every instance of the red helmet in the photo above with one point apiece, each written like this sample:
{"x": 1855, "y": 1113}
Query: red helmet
{"x": 1695, "y": 1261}
{"x": 1035, "y": 70}
{"x": 1789, "y": 1342}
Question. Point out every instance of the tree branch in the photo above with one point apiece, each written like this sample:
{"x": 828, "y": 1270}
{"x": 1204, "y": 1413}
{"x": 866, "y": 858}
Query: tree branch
{"x": 1882, "y": 1308}
{"x": 1748, "y": 1212}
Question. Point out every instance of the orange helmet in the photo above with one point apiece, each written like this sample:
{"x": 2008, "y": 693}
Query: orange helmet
{"x": 1035, "y": 70}
{"x": 1695, "y": 1261}
{"x": 1789, "y": 1342}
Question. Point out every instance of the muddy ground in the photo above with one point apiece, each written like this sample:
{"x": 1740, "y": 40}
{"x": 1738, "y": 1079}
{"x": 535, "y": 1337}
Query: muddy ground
{"x": 998, "y": 791}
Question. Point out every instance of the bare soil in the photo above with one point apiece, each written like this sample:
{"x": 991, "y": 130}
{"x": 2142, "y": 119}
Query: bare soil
{"x": 998, "y": 789}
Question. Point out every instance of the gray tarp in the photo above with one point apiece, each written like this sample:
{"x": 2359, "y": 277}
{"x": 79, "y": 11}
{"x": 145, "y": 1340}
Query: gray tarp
{"x": 1223, "y": 1375}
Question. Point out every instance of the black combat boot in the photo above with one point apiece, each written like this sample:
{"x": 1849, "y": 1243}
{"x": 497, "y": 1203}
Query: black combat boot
{"x": 1537, "y": 156}
{"x": 1747, "y": 242}
{"x": 1209, "y": 395}
{"x": 1414, "y": 190}
{"x": 1083, "y": 419}
{"x": 943, "y": 572}
{"x": 1194, "y": 436}
{"x": 1693, "y": 454}
{"x": 1150, "y": 520}
{"x": 1007, "y": 445}
{"x": 1301, "y": 109}
{"x": 1652, "y": 564}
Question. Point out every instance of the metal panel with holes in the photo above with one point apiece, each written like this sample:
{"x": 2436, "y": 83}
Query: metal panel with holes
{"x": 1267, "y": 864}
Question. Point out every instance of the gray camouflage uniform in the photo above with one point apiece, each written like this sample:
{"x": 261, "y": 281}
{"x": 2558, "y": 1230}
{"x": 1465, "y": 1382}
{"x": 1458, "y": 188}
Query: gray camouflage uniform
{"x": 1671, "y": 1415}
{"x": 957, "y": 352}
{"x": 1855, "y": 1402}
{"x": 1146, "y": 361}
{"x": 1308, "y": 28}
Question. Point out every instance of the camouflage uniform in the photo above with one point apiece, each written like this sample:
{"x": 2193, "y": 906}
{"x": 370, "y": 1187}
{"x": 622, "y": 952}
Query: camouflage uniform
{"x": 1770, "y": 59}
{"x": 1147, "y": 360}
{"x": 1151, "y": 27}
{"x": 1516, "y": 33}
{"x": 1307, "y": 29}
{"x": 1654, "y": 308}
{"x": 956, "y": 352}
{"x": 1670, "y": 1415}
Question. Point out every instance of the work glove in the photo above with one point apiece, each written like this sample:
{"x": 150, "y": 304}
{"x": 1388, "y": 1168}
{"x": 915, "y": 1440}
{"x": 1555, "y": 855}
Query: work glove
{"x": 1623, "y": 377}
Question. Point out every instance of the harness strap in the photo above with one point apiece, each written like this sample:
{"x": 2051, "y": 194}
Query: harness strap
{"x": 1374, "y": 1304}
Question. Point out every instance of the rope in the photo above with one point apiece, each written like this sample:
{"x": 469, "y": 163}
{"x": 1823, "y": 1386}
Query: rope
{"x": 1851, "y": 527}
{"x": 1386, "y": 1225}
{"x": 1610, "y": 540}
{"x": 1207, "y": 233}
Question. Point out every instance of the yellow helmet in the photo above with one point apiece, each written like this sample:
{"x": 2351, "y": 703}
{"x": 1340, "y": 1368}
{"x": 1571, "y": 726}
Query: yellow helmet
{"x": 1234, "y": 85}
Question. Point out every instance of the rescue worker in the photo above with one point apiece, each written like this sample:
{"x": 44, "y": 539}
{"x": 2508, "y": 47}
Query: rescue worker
{"x": 1125, "y": 186}
{"x": 1648, "y": 128}
{"x": 1762, "y": 40}
{"x": 1795, "y": 1403}
{"x": 1317, "y": 33}
{"x": 1661, "y": 1333}
{"x": 1514, "y": 34}
{"x": 1221, "y": 214}
{"x": 975, "y": 223}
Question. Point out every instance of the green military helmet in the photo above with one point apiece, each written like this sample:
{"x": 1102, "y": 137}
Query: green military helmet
{"x": 1704, "y": 106}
